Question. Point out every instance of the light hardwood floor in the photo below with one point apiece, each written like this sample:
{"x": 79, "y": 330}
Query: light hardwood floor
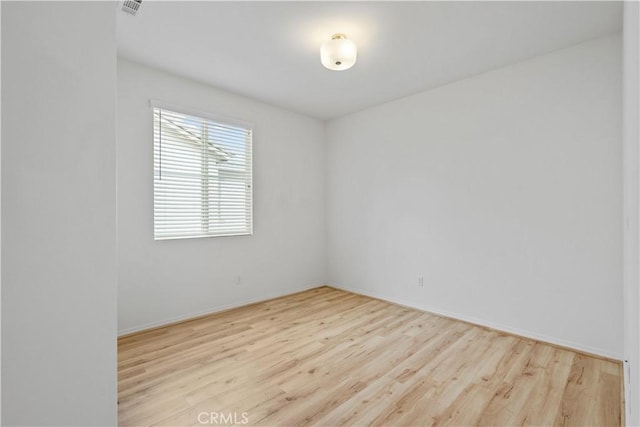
{"x": 328, "y": 357}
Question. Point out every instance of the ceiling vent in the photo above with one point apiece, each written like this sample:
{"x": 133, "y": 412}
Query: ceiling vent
{"x": 131, "y": 6}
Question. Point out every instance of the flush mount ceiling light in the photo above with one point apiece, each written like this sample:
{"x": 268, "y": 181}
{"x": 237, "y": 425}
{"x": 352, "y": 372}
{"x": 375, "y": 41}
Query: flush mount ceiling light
{"x": 338, "y": 53}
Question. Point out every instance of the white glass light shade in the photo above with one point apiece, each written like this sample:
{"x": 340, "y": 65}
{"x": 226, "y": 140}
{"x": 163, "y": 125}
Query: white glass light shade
{"x": 339, "y": 53}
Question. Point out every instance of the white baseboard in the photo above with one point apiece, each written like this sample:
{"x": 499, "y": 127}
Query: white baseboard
{"x": 481, "y": 322}
{"x": 212, "y": 310}
{"x": 626, "y": 382}
{"x": 437, "y": 311}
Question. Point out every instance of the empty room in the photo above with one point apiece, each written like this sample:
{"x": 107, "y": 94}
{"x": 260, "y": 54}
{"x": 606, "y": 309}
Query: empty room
{"x": 320, "y": 213}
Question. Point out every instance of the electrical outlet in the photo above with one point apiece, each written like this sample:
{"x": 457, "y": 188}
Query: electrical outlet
{"x": 420, "y": 281}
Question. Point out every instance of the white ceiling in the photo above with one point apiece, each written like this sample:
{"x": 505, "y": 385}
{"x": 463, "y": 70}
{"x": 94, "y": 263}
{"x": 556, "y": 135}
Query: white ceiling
{"x": 271, "y": 50}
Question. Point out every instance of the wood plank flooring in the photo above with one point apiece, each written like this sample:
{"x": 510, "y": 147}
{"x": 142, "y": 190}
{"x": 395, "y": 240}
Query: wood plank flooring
{"x": 332, "y": 358}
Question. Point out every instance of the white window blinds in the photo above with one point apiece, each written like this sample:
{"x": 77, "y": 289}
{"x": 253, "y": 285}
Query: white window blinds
{"x": 202, "y": 177}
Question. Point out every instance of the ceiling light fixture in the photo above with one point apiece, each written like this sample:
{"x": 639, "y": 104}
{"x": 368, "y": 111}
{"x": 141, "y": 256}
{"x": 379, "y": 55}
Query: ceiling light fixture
{"x": 338, "y": 53}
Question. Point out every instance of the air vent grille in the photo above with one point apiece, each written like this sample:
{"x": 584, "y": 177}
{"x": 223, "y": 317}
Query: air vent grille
{"x": 131, "y": 6}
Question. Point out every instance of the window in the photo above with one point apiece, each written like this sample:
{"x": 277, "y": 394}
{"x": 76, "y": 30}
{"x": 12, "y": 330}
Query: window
{"x": 202, "y": 177}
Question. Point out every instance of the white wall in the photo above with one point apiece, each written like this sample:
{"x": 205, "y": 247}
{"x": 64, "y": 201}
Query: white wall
{"x": 0, "y": 212}
{"x": 169, "y": 280}
{"x": 58, "y": 213}
{"x": 631, "y": 209}
{"x": 503, "y": 190}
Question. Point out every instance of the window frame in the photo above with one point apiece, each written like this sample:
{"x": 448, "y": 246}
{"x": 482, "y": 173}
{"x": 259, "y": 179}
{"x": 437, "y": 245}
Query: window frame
{"x": 218, "y": 119}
